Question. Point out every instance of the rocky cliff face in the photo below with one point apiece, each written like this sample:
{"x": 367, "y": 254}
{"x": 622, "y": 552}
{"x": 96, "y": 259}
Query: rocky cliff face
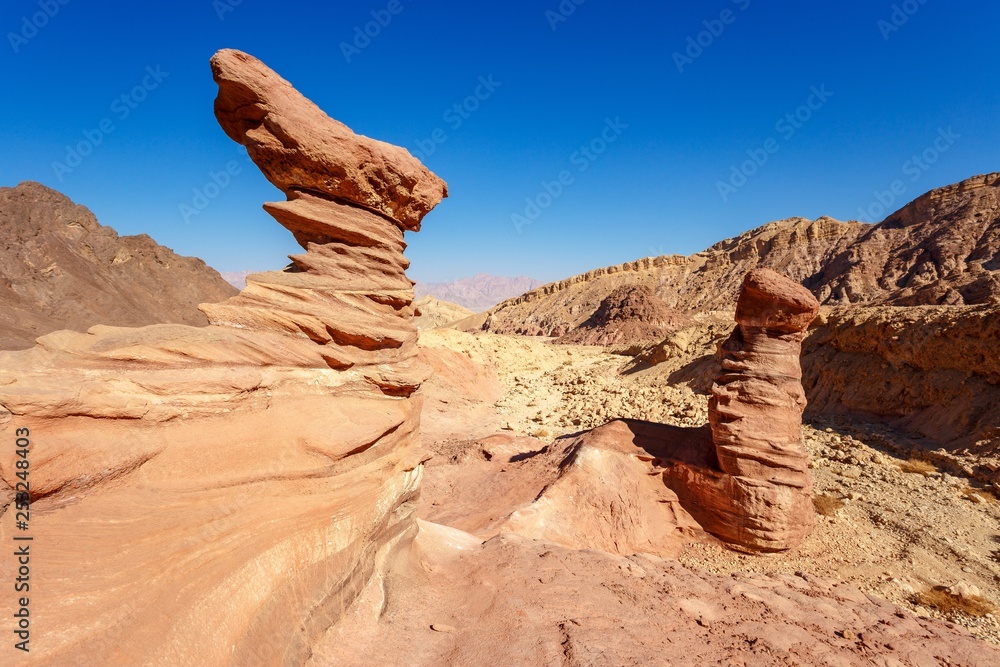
{"x": 933, "y": 371}
{"x": 944, "y": 248}
{"x": 220, "y": 495}
{"x": 63, "y": 270}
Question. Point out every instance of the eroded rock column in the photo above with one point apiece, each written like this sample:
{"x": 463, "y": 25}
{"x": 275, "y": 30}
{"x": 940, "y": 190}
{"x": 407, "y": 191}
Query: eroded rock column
{"x": 221, "y": 495}
{"x": 749, "y": 484}
{"x": 756, "y": 411}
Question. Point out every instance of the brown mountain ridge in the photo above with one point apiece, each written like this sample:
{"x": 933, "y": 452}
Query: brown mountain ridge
{"x": 64, "y": 270}
{"x": 941, "y": 249}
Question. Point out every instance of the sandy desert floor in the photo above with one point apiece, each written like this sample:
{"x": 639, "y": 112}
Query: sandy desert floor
{"x": 894, "y": 534}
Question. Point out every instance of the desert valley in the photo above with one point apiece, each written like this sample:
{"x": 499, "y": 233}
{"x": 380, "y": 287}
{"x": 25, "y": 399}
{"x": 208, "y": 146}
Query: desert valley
{"x": 782, "y": 450}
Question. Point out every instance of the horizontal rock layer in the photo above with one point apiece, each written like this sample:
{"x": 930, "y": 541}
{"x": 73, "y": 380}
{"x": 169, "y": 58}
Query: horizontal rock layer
{"x": 756, "y": 490}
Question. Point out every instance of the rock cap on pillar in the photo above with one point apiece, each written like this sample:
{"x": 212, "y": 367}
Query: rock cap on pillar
{"x": 771, "y": 301}
{"x": 300, "y": 148}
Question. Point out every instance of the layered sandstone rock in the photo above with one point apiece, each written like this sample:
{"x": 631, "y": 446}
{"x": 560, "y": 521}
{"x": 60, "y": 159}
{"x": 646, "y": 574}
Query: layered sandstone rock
{"x": 930, "y": 370}
{"x": 760, "y": 495}
{"x": 221, "y": 495}
{"x": 631, "y": 486}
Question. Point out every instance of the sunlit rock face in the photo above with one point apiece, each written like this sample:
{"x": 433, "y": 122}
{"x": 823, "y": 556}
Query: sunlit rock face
{"x": 751, "y": 486}
{"x": 220, "y": 495}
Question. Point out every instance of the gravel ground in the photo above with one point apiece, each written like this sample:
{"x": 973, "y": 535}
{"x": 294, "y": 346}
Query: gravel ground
{"x": 896, "y": 533}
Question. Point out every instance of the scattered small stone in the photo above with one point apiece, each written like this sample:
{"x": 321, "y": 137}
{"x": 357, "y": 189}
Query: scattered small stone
{"x": 440, "y": 627}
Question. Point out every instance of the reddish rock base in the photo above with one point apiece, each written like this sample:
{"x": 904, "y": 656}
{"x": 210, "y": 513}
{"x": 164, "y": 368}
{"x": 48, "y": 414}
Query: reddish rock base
{"x": 517, "y": 602}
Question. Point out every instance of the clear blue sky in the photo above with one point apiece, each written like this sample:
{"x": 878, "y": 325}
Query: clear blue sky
{"x": 653, "y": 190}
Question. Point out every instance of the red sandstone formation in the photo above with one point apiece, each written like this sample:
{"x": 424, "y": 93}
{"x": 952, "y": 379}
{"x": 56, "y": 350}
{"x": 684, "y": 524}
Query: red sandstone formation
{"x": 744, "y": 479}
{"x": 759, "y": 496}
{"x": 220, "y": 495}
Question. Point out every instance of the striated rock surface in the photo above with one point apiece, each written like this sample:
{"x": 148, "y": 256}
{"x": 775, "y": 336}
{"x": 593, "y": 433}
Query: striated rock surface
{"x": 759, "y": 494}
{"x": 221, "y": 495}
{"x": 64, "y": 270}
{"x": 941, "y": 249}
{"x": 633, "y": 486}
{"x": 630, "y": 315}
{"x": 521, "y": 602}
{"x": 930, "y": 370}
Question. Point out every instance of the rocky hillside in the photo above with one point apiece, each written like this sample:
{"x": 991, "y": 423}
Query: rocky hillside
{"x": 943, "y": 248}
{"x": 929, "y": 371}
{"x": 479, "y": 292}
{"x": 630, "y": 315}
{"x": 432, "y": 313}
{"x": 63, "y": 270}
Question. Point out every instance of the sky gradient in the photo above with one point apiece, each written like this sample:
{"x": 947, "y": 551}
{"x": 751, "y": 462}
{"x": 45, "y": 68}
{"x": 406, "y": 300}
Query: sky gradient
{"x": 572, "y": 136}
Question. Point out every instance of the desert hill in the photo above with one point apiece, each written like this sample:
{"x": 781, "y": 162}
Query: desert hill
{"x": 943, "y": 248}
{"x": 630, "y": 315}
{"x": 478, "y": 292}
{"x": 433, "y": 313}
{"x": 64, "y": 270}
